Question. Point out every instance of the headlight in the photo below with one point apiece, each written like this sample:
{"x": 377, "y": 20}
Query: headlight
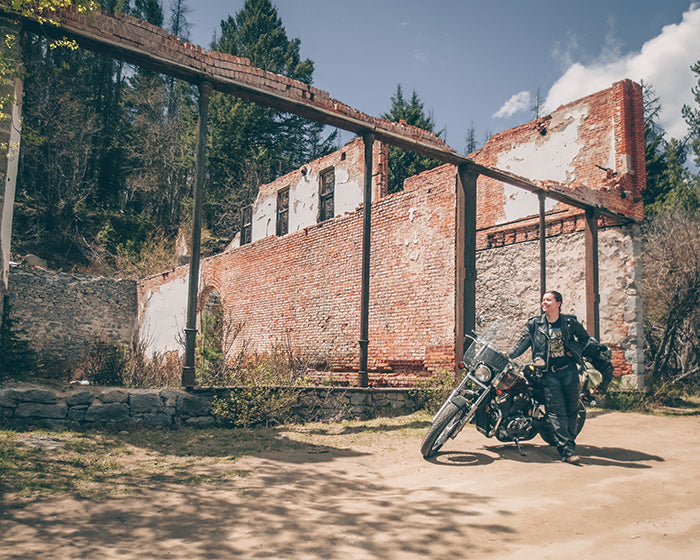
{"x": 482, "y": 373}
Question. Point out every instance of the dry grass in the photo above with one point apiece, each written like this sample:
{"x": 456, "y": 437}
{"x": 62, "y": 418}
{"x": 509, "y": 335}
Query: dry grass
{"x": 99, "y": 464}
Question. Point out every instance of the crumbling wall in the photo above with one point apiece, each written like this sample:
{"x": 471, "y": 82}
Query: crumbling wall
{"x": 348, "y": 164}
{"x": 305, "y": 286}
{"x": 596, "y": 141}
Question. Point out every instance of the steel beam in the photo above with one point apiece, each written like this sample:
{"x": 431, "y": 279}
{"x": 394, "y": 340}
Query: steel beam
{"x": 543, "y": 247}
{"x": 248, "y": 86}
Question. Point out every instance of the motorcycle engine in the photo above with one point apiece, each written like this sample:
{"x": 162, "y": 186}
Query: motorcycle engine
{"x": 517, "y": 423}
{"x": 518, "y": 427}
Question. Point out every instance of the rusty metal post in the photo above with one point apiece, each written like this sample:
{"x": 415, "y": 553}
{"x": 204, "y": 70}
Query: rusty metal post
{"x": 592, "y": 279}
{"x": 543, "y": 248}
{"x": 191, "y": 325}
{"x": 366, "y": 246}
{"x": 468, "y": 177}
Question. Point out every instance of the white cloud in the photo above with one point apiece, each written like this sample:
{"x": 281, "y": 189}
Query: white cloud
{"x": 664, "y": 62}
{"x": 518, "y": 102}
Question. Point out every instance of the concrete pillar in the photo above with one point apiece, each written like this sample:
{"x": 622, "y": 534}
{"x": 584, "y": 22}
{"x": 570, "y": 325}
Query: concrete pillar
{"x": 11, "y": 85}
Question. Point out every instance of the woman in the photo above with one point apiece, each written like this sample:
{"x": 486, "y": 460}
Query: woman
{"x": 557, "y": 339}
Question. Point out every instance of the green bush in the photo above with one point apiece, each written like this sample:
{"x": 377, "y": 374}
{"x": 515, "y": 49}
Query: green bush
{"x": 431, "y": 393}
{"x": 267, "y": 386}
{"x": 104, "y": 363}
{"x": 256, "y": 405}
{"x": 626, "y": 401}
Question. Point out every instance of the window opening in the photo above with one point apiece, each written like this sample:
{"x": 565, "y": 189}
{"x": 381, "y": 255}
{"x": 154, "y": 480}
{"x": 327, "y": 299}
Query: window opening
{"x": 327, "y": 195}
{"x": 246, "y": 224}
{"x": 283, "y": 212}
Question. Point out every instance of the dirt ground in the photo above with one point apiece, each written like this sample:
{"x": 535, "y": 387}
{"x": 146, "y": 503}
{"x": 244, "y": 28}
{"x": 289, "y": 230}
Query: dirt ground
{"x": 636, "y": 495}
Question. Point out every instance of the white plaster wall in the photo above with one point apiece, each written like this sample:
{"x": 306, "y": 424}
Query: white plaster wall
{"x": 165, "y": 317}
{"x": 264, "y": 218}
{"x": 348, "y": 192}
{"x": 549, "y": 157}
{"x": 303, "y": 202}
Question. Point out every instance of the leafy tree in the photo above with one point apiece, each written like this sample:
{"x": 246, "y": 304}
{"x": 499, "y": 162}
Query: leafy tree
{"x": 671, "y": 262}
{"x": 404, "y": 164}
{"x": 252, "y": 144}
{"x": 157, "y": 140}
{"x": 106, "y": 160}
{"x": 59, "y": 160}
{"x": 179, "y": 25}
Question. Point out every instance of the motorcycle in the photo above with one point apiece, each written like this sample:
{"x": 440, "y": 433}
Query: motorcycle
{"x": 500, "y": 398}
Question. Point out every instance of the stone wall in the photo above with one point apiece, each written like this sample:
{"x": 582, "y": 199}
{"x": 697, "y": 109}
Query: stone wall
{"x": 517, "y": 298}
{"x": 63, "y": 315}
{"x": 87, "y": 406}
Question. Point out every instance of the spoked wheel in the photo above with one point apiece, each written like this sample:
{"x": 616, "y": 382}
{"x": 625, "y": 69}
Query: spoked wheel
{"x": 547, "y": 432}
{"x": 443, "y": 427}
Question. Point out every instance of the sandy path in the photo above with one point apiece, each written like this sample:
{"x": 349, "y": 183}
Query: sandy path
{"x": 637, "y": 495}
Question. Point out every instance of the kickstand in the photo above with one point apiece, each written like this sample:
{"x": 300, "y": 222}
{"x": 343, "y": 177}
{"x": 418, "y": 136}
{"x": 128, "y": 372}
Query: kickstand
{"x": 517, "y": 442}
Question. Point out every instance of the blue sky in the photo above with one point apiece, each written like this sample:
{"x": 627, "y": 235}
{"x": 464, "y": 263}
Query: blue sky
{"x": 481, "y": 63}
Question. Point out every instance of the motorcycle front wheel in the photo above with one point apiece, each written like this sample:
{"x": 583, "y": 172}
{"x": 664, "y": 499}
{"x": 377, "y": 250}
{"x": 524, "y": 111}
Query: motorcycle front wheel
{"x": 443, "y": 427}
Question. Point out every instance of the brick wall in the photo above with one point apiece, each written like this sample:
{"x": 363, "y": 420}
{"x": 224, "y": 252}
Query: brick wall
{"x": 306, "y": 285}
{"x": 596, "y": 141}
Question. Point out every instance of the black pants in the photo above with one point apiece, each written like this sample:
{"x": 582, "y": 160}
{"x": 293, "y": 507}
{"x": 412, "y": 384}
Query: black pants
{"x": 561, "y": 396}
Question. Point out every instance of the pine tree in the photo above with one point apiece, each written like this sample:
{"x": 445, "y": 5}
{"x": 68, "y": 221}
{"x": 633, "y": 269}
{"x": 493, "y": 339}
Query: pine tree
{"x": 252, "y": 144}
{"x": 404, "y": 164}
{"x": 692, "y": 116}
{"x": 471, "y": 145}
{"x": 670, "y": 184}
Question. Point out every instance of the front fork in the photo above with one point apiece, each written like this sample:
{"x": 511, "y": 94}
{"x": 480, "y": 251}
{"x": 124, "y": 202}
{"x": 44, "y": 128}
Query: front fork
{"x": 460, "y": 402}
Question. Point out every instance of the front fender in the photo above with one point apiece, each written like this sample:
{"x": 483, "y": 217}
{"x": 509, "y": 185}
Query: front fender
{"x": 459, "y": 401}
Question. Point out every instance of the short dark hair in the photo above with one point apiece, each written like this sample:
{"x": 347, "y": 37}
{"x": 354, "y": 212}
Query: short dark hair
{"x": 557, "y": 295}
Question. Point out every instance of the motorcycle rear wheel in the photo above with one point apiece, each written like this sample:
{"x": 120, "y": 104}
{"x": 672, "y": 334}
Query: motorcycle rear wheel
{"x": 547, "y": 433}
{"x": 444, "y": 425}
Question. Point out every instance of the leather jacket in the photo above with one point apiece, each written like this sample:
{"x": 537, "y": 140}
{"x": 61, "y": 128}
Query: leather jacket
{"x": 536, "y": 336}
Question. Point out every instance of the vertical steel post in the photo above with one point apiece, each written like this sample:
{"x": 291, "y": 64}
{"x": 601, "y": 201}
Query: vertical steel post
{"x": 366, "y": 246}
{"x": 468, "y": 177}
{"x": 543, "y": 248}
{"x": 191, "y": 325}
{"x": 592, "y": 279}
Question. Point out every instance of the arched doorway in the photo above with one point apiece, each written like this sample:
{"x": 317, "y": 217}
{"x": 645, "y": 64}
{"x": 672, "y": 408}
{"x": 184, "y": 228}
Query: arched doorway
{"x": 210, "y": 360}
